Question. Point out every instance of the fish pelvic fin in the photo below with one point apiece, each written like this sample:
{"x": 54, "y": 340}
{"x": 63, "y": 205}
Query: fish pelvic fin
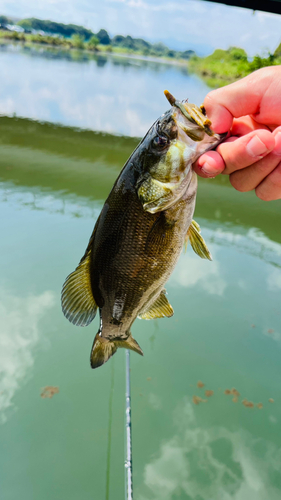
{"x": 161, "y": 308}
{"x": 103, "y": 349}
{"x": 197, "y": 241}
{"x": 78, "y": 303}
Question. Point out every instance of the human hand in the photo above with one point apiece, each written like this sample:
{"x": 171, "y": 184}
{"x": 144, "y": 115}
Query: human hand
{"x": 250, "y": 110}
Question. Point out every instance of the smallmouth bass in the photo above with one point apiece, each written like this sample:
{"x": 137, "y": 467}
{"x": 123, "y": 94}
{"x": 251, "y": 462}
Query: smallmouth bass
{"x": 140, "y": 232}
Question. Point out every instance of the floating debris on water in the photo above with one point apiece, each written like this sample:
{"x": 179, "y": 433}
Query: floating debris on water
{"x": 148, "y": 379}
{"x": 260, "y": 406}
{"x": 270, "y": 330}
{"x": 248, "y": 404}
{"x": 200, "y": 384}
{"x": 197, "y": 400}
{"x": 209, "y": 393}
{"x": 232, "y": 392}
{"x": 49, "y": 391}
{"x": 271, "y": 400}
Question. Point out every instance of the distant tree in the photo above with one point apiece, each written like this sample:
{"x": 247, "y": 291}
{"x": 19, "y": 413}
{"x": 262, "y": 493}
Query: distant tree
{"x": 261, "y": 62}
{"x": 170, "y": 53}
{"x": 103, "y": 37}
{"x": 118, "y": 40}
{"x": 5, "y": 20}
{"x": 93, "y": 42}
{"x": 159, "y": 47}
{"x": 277, "y": 52}
{"x": 77, "y": 41}
{"x": 238, "y": 54}
{"x": 187, "y": 54}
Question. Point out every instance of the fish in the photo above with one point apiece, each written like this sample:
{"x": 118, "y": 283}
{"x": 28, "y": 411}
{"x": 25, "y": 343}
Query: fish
{"x": 143, "y": 226}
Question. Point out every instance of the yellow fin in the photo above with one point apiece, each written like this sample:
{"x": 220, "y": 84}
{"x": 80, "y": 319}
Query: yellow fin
{"x": 103, "y": 349}
{"x": 78, "y": 304}
{"x": 161, "y": 308}
{"x": 197, "y": 241}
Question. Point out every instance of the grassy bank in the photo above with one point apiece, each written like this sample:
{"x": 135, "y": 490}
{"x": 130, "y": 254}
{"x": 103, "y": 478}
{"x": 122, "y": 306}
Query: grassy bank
{"x": 226, "y": 66}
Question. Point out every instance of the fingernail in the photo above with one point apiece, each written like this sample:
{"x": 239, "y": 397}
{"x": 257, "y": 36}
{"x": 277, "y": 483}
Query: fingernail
{"x": 207, "y": 169}
{"x": 277, "y": 148}
{"x": 256, "y": 147}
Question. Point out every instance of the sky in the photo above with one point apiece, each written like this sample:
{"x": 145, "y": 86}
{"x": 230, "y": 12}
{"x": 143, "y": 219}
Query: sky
{"x": 187, "y": 24}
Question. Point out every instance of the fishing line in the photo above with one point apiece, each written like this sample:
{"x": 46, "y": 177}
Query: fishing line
{"x": 128, "y": 431}
{"x": 109, "y": 439}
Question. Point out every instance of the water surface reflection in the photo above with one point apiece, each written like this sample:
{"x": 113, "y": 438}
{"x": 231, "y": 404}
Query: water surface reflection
{"x": 104, "y": 93}
{"x": 225, "y": 332}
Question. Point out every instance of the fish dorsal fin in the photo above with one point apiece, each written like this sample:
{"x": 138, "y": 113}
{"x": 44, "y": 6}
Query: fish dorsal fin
{"x": 103, "y": 349}
{"x": 197, "y": 241}
{"x": 78, "y": 303}
{"x": 161, "y": 308}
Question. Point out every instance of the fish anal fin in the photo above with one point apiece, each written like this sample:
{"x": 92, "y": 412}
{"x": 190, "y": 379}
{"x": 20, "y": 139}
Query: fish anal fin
{"x": 129, "y": 343}
{"x": 161, "y": 308}
{"x": 197, "y": 241}
{"x": 78, "y": 303}
{"x": 103, "y": 349}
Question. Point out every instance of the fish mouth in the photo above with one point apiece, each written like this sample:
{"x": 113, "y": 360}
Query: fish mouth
{"x": 198, "y": 123}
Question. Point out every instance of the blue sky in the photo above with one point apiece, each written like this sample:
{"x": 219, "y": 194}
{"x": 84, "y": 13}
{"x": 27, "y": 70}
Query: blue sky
{"x": 181, "y": 24}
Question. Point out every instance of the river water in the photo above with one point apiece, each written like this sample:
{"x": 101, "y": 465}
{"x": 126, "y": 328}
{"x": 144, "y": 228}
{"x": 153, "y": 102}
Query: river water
{"x": 226, "y": 330}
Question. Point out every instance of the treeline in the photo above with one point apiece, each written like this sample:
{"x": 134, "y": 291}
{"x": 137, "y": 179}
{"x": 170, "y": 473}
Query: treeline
{"x": 65, "y": 30}
{"x": 225, "y": 66}
{"x": 125, "y": 43}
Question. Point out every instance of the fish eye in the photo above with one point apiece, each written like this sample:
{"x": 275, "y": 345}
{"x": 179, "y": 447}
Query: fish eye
{"x": 160, "y": 141}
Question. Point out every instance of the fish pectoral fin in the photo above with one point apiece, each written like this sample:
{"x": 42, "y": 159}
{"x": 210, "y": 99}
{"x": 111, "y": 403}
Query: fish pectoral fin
{"x": 78, "y": 303}
{"x": 161, "y": 308}
{"x": 197, "y": 241}
{"x": 103, "y": 349}
{"x": 160, "y": 234}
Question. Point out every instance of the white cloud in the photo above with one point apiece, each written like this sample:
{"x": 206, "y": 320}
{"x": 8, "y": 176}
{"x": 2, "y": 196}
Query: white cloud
{"x": 19, "y": 319}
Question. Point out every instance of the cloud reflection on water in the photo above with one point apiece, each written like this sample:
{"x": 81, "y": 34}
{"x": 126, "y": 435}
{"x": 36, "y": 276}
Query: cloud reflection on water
{"x": 207, "y": 275}
{"x": 19, "y": 334}
{"x": 112, "y": 98}
{"x": 212, "y": 463}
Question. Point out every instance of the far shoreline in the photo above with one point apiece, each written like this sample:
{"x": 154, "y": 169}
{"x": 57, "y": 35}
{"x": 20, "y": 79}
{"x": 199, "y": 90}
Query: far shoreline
{"x": 99, "y": 52}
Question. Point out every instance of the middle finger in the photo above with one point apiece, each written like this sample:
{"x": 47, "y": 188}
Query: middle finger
{"x": 249, "y": 178}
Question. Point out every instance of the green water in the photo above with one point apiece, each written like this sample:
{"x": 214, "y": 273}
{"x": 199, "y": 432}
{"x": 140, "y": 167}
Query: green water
{"x": 226, "y": 332}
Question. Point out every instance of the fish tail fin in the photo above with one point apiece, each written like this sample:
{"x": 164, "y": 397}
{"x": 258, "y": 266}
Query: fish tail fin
{"x": 103, "y": 349}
